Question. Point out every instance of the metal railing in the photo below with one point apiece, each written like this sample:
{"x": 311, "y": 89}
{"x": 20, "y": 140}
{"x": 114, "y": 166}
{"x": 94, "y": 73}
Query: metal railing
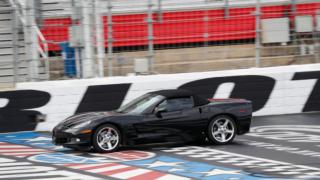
{"x": 176, "y": 36}
{"x": 42, "y": 46}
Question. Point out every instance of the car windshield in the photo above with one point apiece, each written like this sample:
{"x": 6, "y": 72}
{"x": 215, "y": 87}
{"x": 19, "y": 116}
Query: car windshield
{"x": 139, "y": 105}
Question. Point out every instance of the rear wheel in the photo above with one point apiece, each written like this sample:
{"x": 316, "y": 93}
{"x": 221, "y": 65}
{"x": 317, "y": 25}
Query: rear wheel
{"x": 106, "y": 138}
{"x": 222, "y": 130}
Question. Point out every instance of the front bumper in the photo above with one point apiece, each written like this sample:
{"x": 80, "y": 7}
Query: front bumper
{"x": 71, "y": 139}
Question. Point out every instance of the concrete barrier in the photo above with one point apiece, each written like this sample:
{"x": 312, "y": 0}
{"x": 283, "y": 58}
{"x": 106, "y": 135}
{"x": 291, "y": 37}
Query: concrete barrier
{"x": 276, "y": 90}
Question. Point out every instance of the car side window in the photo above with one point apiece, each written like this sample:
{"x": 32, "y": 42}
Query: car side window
{"x": 177, "y": 104}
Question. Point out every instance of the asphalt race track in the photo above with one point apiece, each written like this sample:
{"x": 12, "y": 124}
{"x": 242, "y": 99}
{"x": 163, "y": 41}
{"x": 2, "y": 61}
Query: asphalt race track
{"x": 278, "y": 147}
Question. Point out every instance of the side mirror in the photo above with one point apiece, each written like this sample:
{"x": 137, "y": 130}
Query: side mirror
{"x": 159, "y": 111}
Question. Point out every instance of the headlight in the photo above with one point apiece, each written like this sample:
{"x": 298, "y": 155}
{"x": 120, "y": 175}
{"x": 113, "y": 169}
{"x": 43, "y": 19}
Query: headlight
{"x": 81, "y": 125}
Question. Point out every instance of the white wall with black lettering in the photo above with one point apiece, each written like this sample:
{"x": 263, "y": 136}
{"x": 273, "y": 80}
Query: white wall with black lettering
{"x": 276, "y": 90}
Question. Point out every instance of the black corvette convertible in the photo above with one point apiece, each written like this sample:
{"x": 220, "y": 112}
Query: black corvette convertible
{"x": 160, "y": 116}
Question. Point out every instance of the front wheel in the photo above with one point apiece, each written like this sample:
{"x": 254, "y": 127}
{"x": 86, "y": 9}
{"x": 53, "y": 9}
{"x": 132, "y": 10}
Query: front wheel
{"x": 106, "y": 138}
{"x": 222, "y": 130}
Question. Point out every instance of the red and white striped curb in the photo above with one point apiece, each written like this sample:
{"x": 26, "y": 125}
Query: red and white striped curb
{"x": 19, "y": 151}
{"x": 121, "y": 171}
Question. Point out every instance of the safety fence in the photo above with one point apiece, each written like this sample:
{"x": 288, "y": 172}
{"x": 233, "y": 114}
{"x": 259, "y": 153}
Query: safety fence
{"x": 197, "y": 27}
{"x": 96, "y": 38}
{"x": 194, "y": 36}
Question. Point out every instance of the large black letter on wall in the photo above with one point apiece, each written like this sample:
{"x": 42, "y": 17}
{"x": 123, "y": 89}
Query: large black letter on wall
{"x": 15, "y": 116}
{"x": 103, "y": 97}
{"x": 254, "y": 88}
{"x": 313, "y": 102}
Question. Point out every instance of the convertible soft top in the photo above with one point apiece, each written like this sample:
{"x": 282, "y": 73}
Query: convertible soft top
{"x": 176, "y": 93}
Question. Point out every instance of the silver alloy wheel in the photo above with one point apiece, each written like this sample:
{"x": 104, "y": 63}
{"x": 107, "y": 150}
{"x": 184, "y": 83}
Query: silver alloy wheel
{"x": 222, "y": 130}
{"x": 107, "y": 138}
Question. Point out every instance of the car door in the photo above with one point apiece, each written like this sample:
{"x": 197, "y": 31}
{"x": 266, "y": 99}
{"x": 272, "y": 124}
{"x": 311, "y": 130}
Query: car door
{"x": 180, "y": 119}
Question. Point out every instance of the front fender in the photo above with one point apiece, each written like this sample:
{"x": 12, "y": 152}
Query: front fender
{"x": 123, "y": 123}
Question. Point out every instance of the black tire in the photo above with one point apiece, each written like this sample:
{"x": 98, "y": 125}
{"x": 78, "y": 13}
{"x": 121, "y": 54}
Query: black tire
{"x": 201, "y": 139}
{"x": 106, "y": 135}
{"x": 217, "y": 128}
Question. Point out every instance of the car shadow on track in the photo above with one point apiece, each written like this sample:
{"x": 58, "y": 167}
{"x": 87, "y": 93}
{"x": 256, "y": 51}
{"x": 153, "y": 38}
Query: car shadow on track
{"x": 169, "y": 145}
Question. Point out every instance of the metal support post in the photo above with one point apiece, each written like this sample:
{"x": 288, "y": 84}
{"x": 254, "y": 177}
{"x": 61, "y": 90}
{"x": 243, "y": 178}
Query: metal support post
{"x": 206, "y": 33}
{"x": 293, "y": 23}
{"x": 110, "y": 39}
{"x": 15, "y": 45}
{"x": 293, "y": 7}
{"x": 79, "y": 66}
{"x": 160, "y": 11}
{"x": 317, "y": 39}
{"x": 77, "y": 55}
{"x": 317, "y": 47}
{"x": 226, "y": 8}
{"x": 87, "y": 54}
{"x": 38, "y": 11}
{"x": 206, "y": 29}
{"x": 150, "y": 36}
{"x": 99, "y": 38}
{"x": 258, "y": 31}
{"x": 32, "y": 43}
{"x": 76, "y": 17}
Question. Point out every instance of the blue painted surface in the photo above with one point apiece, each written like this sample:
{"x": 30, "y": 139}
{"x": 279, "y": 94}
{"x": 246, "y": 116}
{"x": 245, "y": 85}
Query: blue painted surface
{"x": 31, "y": 139}
{"x": 62, "y": 158}
{"x": 195, "y": 170}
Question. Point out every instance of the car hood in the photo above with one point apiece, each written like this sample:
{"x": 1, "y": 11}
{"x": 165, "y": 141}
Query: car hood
{"x": 90, "y": 116}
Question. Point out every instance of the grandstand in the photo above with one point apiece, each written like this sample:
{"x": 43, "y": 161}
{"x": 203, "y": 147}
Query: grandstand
{"x": 182, "y": 22}
{"x": 188, "y": 35}
{"x": 15, "y": 58}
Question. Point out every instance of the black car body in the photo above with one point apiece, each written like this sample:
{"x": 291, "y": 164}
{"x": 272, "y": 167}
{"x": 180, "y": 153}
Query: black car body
{"x": 160, "y": 116}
